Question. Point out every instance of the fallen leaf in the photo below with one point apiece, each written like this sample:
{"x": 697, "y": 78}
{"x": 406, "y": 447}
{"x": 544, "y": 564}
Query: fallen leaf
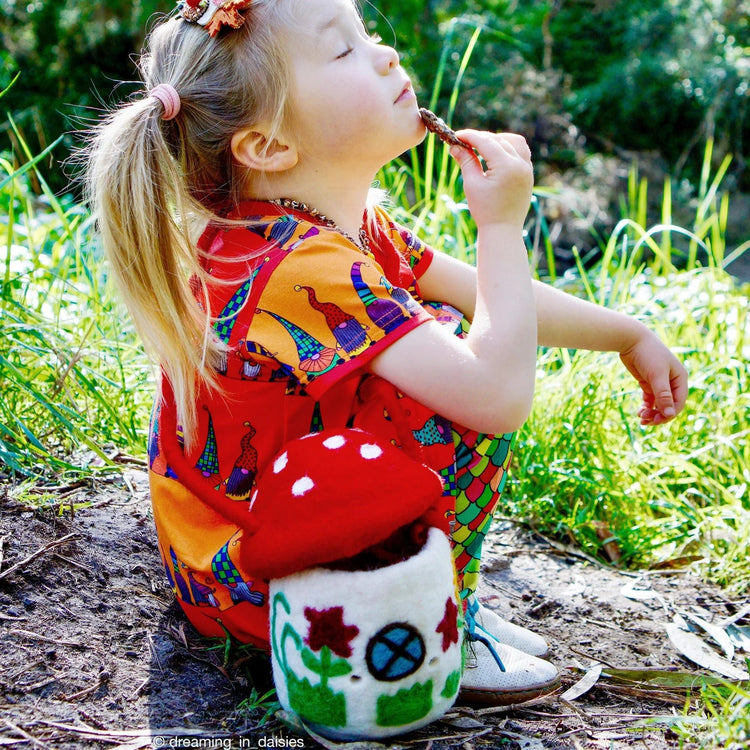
{"x": 630, "y": 592}
{"x": 732, "y": 619}
{"x": 740, "y": 635}
{"x": 661, "y": 678}
{"x": 607, "y": 538}
{"x": 463, "y": 722}
{"x": 584, "y": 684}
{"x": 718, "y": 634}
{"x": 676, "y": 562}
{"x": 697, "y": 651}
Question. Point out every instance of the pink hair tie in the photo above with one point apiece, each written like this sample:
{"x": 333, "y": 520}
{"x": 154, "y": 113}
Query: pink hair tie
{"x": 169, "y": 98}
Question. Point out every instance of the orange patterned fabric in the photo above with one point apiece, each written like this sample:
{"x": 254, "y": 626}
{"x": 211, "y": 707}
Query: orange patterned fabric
{"x": 302, "y": 310}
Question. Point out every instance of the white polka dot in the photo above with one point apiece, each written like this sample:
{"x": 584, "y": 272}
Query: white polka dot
{"x": 280, "y": 463}
{"x": 302, "y": 485}
{"x": 334, "y": 442}
{"x": 253, "y": 498}
{"x": 370, "y": 450}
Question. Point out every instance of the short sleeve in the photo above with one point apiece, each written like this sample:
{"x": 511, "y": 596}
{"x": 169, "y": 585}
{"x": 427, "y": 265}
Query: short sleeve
{"x": 327, "y": 309}
{"x": 410, "y": 247}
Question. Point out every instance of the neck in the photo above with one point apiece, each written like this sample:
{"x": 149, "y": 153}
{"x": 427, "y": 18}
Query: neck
{"x": 343, "y": 202}
{"x": 344, "y": 208}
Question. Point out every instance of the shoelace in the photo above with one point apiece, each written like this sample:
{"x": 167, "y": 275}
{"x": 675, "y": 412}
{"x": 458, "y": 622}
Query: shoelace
{"x": 472, "y": 626}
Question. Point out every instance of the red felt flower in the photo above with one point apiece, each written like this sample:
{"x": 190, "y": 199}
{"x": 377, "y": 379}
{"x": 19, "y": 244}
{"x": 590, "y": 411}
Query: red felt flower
{"x": 448, "y": 625}
{"x": 327, "y": 629}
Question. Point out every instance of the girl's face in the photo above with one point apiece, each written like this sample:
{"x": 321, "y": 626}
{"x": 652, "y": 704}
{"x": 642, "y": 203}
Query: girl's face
{"x": 353, "y": 104}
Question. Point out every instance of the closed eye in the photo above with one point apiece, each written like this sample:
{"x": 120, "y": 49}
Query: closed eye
{"x": 346, "y": 52}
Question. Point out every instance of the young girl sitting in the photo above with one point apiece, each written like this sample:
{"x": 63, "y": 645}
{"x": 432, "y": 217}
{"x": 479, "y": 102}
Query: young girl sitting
{"x": 232, "y": 199}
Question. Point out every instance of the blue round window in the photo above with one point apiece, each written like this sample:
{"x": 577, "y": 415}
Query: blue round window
{"x": 395, "y": 651}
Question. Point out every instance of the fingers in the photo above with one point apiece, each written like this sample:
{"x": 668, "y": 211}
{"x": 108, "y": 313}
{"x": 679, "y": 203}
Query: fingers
{"x": 664, "y": 397}
{"x": 662, "y": 378}
{"x": 679, "y": 384}
{"x": 498, "y": 178}
{"x": 491, "y": 146}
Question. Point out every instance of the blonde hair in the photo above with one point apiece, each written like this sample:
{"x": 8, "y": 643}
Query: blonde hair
{"x": 147, "y": 177}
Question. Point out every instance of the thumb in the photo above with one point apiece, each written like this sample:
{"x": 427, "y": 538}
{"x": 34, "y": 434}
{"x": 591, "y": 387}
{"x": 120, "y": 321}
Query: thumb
{"x": 663, "y": 398}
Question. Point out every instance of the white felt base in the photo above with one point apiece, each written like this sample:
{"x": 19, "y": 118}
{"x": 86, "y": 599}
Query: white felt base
{"x": 393, "y": 657}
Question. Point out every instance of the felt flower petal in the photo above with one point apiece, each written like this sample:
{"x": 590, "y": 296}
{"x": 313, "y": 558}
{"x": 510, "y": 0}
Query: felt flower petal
{"x": 327, "y": 628}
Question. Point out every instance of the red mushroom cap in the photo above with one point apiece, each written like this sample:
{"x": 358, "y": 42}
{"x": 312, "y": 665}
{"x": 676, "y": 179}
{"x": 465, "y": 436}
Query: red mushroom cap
{"x": 330, "y": 495}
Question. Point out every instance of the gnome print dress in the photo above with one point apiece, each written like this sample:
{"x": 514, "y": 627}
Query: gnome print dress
{"x": 301, "y": 310}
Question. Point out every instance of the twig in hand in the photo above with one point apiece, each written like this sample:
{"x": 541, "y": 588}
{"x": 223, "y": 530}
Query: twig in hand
{"x": 38, "y": 553}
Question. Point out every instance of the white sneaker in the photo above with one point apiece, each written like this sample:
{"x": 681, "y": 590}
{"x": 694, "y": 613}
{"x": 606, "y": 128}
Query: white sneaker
{"x": 499, "y": 675}
{"x": 504, "y": 677}
{"x": 489, "y": 623}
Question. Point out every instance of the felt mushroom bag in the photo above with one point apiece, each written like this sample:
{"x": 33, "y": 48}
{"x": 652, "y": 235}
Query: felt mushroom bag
{"x": 365, "y": 624}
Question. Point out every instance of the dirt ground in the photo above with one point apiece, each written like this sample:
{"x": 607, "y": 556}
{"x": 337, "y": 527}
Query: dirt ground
{"x": 95, "y": 654}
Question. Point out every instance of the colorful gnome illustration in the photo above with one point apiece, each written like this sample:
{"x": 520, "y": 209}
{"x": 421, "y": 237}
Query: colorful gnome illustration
{"x": 365, "y": 621}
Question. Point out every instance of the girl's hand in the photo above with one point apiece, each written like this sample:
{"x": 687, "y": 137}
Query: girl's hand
{"x": 661, "y": 376}
{"x": 501, "y": 193}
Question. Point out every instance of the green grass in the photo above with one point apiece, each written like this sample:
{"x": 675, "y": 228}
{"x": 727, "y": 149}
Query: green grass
{"x": 676, "y": 492}
{"x": 665, "y": 492}
{"x": 75, "y": 384}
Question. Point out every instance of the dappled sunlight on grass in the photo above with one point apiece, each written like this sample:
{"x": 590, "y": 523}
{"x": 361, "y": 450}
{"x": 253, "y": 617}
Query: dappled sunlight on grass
{"x": 73, "y": 373}
{"x": 670, "y": 491}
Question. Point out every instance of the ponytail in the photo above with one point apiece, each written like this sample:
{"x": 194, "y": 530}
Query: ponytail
{"x": 135, "y": 188}
{"x": 148, "y": 178}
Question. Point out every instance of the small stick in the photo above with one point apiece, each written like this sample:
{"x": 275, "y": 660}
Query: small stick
{"x": 29, "y": 738}
{"x": 733, "y": 618}
{"x": 45, "y": 639}
{"x": 38, "y": 553}
{"x": 441, "y": 129}
{"x": 38, "y": 685}
{"x": 75, "y": 564}
{"x": 8, "y": 617}
{"x": 101, "y": 680}
{"x": 25, "y": 669}
{"x": 136, "y": 693}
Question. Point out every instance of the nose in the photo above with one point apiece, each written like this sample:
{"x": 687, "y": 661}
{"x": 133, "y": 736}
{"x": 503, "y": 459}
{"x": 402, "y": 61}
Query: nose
{"x": 387, "y": 59}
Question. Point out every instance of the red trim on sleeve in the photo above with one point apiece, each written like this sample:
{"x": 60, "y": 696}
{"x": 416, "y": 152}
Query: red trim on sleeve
{"x": 321, "y": 384}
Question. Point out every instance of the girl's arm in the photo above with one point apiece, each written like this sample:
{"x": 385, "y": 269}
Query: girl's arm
{"x": 485, "y": 381}
{"x": 571, "y": 323}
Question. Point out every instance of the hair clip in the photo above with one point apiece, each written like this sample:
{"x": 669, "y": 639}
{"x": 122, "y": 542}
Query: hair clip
{"x": 214, "y": 15}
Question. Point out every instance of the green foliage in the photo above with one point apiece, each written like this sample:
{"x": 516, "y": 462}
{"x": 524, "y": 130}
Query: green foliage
{"x": 76, "y": 384}
{"x": 74, "y": 381}
{"x": 671, "y": 491}
{"x": 663, "y": 492}
{"x": 637, "y": 75}
{"x": 650, "y": 75}
{"x": 723, "y": 720}
{"x": 70, "y": 55}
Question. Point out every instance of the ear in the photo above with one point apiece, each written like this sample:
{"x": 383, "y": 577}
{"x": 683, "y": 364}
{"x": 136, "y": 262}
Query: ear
{"x": 252, "y": 148}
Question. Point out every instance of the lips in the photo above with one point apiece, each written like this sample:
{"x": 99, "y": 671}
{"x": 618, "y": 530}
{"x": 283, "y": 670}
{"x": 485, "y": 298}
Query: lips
{"x": 407, "y": 92}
